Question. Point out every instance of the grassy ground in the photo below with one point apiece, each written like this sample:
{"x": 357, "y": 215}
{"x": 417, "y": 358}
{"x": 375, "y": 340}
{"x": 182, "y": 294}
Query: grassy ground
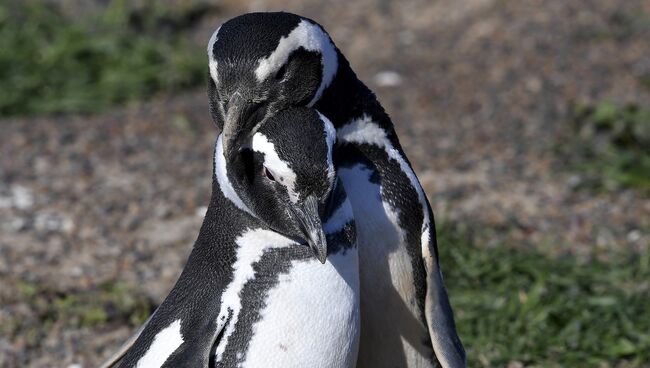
{"x": 108, "y": 304}
{"x": 523, "y": 306}
{"x": 512, "y": 306}
{"x": 610, "y": 145}
{"x": 51, "y": 63}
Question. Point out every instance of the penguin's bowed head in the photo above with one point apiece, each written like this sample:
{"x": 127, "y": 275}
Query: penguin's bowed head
{"x": 287, "y": 60}
{"x": 285, "y": 175}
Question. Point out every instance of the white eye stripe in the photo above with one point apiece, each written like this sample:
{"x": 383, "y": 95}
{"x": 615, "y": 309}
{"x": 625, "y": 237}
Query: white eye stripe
{"x": 211, "y": 61}
{"x": 221, "y": 173}
{"x": 311, "y": 37}
{"x": 278, "y": 168}
{"x": 213, "y": 40}
{"x": 330, "y": 136}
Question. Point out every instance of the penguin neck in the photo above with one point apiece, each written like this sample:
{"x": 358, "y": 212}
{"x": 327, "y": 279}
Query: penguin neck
{"x": 226, "y": 210}
{"x": 221, "y": 181}
{"x": 348, "y": 98}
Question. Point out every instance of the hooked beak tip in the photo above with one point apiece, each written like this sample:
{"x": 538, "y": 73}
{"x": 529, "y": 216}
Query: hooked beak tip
{"x": 322, "y": 257}
{"x": 318, "y": 243}
{"x": 320, "y": 252}
{"x": 312, "y": 228}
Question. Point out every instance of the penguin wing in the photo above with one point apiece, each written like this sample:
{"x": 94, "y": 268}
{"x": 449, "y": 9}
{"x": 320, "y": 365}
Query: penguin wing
{"x": 437, "y": 310}
{"x": 121, "y": 351}
{"x": 180, "y": 333}
{"x": 114, "y": 359}
{"x": 182, "y": 330}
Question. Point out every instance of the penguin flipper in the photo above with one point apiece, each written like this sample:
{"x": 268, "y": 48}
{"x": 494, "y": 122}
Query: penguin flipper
{"x": 121, "y": 351}
{"x": 438, "y": 313}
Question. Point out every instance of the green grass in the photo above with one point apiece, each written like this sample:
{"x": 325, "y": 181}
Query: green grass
{"x": 110, "y": 303}
{"x": 523, "y": 306}
{"x": 50, "y": 63}
{"x": 610, "y": 146}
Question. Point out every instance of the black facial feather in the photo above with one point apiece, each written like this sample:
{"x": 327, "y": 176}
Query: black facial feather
{"x": 240, "y": 45}
{"x": 253, "y": 36}
{"x": 299, "y": 138}
{"x": 304, "y": 76}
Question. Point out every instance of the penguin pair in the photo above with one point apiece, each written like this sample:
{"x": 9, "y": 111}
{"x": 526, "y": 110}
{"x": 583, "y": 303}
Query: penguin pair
{"x": 263, "y": 63}
{"x": 262, "y": 66}
{"x": 272, "y": 280}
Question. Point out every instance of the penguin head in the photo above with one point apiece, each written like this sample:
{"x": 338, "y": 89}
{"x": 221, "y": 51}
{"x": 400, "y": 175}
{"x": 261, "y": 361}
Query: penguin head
{"x": 263, "y": 63}
{"x": 285, "y": 174}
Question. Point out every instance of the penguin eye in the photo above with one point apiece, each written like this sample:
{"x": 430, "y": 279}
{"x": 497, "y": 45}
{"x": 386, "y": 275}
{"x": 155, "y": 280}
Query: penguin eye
{"x": 268, "y": 174}
{"x": 281, "y": 72}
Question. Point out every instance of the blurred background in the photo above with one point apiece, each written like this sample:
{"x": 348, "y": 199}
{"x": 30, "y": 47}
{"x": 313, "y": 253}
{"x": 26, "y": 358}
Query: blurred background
{"x": 528, "y": 123}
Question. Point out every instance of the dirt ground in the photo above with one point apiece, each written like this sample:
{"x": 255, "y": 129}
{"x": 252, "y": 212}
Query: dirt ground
{"x": 479, "y": 90}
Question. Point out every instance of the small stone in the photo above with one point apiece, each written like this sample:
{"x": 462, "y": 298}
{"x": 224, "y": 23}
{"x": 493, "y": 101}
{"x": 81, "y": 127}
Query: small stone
{"x": 53, "y": 222}
{"x": 633, "y": 236}
{"x": 19, "y": 197}
{"x": 533, "y": 84}
{"x": 388, "y": 78}
{"x": 23, "y": 198}
{"x": 76, "y": 271}
{"x": 574, "y": 181}
{"x": 16, "y": 224}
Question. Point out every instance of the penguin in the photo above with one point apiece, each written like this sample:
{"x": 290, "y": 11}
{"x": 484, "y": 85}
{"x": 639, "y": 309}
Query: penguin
{"x": 263, "y": 63}
{"x": 272, "y": 280}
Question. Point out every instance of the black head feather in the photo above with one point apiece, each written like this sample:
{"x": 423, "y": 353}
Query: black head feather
{"x": 263, "y": 63}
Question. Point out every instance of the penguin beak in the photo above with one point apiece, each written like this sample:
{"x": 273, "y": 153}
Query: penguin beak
{"x": 242, "y": 117}
{"x": 311, "y": 226}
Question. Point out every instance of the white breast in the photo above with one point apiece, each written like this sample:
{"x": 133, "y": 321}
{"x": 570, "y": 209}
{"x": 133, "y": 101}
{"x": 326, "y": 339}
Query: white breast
{"x": 311, "y": 318}
{"x": 391, "y": 334}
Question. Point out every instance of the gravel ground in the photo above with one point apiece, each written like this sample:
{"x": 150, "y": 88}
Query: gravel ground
{"x": 480, "y": 92}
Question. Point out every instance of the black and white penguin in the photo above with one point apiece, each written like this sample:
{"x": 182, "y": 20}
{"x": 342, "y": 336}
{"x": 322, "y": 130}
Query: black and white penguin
{"x": 272, "y": 280}
{"x": 263, "y": 63}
